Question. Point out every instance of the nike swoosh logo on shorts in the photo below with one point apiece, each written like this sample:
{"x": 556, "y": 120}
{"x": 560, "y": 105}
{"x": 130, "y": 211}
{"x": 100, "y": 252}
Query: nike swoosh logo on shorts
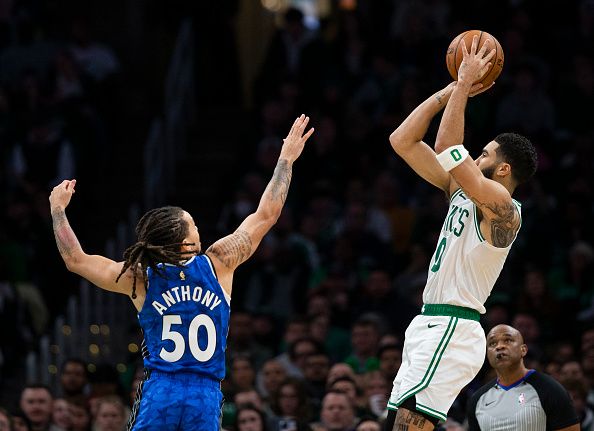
{"x": 429, "y": 325}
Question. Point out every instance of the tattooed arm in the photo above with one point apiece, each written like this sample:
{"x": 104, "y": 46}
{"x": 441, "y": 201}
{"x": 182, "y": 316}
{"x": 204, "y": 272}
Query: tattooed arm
{"x": 231, "y": 251}
{"x": 97, "y": 269}
{"x": 407, "y": 140}
{"x": 501, "y": 219}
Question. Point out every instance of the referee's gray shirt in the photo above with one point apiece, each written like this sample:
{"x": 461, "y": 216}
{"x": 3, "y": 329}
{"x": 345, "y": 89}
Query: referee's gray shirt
{"x": 536, "y": 402}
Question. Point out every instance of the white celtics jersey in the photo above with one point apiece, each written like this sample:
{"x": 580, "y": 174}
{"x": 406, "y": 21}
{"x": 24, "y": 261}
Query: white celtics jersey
{"x": 465, "y": 266}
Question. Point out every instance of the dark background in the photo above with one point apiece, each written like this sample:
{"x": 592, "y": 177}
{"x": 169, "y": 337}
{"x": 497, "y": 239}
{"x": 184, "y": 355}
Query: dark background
{"x": 354, "y": 209}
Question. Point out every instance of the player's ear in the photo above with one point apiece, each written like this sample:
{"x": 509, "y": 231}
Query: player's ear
{"x": 524, "y": 350}
{"x": 504, "y": 169}
{"x": 188, "y": 245}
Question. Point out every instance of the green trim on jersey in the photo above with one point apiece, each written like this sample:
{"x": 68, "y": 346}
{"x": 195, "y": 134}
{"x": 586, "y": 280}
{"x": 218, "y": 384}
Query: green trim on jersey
{"x": 432, "y": 412}
{"x": 456, "y": 193}
{"x": 477, "y": 225}
{"x": 443, "y": 343}
{"x": 422, "y": 408}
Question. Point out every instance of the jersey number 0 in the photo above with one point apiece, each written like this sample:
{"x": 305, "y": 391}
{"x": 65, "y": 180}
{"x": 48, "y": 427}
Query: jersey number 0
{"x": 178, "y": 339}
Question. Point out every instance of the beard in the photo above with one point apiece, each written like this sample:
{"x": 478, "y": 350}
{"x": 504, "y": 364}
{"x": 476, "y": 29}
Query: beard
{"x": 488, "y": 171}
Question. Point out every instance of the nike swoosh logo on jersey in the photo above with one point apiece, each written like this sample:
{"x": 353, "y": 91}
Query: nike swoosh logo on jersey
{"x": 488, "y": 404}
{"x": 429, "y": 325}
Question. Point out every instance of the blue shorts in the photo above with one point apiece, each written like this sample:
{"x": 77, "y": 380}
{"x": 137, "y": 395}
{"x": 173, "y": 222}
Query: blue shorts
{"x": 176, "y": 402}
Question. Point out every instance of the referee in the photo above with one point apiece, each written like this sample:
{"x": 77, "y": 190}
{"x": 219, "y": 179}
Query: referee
{"x": 519, "y": 399}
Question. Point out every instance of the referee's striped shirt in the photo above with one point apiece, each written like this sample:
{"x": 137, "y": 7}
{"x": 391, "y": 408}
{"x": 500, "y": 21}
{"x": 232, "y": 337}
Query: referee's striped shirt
{"x": 536, "y": 402}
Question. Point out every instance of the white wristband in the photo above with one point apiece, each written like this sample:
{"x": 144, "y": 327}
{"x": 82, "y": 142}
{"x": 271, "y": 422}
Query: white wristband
{"x": 452, "y": 157}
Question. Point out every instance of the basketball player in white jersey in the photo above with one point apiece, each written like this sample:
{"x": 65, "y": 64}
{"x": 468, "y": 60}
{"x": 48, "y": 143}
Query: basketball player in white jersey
{"x": 444, "y": 346}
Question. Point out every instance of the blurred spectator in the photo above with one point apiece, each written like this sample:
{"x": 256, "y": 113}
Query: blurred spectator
{"x": 348, "y": 386}
{"x": 334, "y": 339}
{"x": 298, "y": 353}
{"x": 572, "y": 283}
{"x": 529, "y": 327}
{"x": 249, "y": 418}
{"x": 284, "y": 53}
{"x": 270, "y": 377}
{"x": 243, "y": 374}
{"x": 36, "y": 403}
{"x": 365, "y": 336}
{"x": 290, "y": 403}
{"x": 317, "y": 366}
{"x": 368, "y": 425}
{"x": 390, "y": 359}
{"x": 535, "y": 299}
{"x": 73, "y": 377}
{"x": 5, "y": 420}
{"x": 376, "y": 391}
{"x": 80, "y": 414}
{"x": 61, "y": 414}
{"x": 571, "y": 370}
{"x": 111, "y": 414}
{"x": 97, "y": 60}
{"x": 578, "y": 391}
{"x": 241, "y": 339}
{"x": 338, "y": 413}
{"x": 20, "y": 421}
{"x": 340, "y": 370}
{"x": 249, "y": 397}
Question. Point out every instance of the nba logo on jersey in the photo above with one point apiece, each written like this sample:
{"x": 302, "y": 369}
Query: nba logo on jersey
{"x": 522, "y": 398}
{"x": 182, "y": 275}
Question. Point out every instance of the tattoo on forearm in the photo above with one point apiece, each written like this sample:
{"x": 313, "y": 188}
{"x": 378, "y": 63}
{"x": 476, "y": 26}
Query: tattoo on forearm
{"x": 234, "y": 249}
{"x": 65, "y": 238}
{"x": 505, "y": 225}
{"x": 439, "y": 98}
{"x": 281, "y": 179}
{"x": 406, "y": 418}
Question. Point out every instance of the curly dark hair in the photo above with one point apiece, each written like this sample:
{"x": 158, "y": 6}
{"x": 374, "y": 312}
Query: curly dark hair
{"x": 160, "y": 234}
{"x": 519, "y": 152}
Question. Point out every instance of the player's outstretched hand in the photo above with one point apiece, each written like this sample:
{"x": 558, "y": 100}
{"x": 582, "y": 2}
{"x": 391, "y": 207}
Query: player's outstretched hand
{"x": 294, "y": 142}
{"x": 476, "y": 62}
{"x": 61, "y": 194}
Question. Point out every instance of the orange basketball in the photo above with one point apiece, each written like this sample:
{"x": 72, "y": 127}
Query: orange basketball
{"x": 454, "y": 55}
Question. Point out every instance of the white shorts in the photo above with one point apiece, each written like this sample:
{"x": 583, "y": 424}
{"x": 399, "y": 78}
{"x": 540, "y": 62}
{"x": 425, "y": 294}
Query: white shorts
{"x": 441, "y": 355}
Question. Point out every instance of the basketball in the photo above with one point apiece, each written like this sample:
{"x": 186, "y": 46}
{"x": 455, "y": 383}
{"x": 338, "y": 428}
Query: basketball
{"x": 454, "y": 55}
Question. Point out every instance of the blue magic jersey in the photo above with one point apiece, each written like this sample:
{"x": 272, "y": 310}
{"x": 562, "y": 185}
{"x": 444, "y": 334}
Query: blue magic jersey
{"x": 185, "y": 319}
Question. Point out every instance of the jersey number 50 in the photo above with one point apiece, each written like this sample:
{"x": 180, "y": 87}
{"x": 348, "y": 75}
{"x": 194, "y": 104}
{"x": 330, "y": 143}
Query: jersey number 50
{"x": 178, "y": 339}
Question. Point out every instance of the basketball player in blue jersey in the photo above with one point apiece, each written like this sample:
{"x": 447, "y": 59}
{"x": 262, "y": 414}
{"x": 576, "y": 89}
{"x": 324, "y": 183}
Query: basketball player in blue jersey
{"x": 182, "y": 296}
{"x": 444, "y": 346}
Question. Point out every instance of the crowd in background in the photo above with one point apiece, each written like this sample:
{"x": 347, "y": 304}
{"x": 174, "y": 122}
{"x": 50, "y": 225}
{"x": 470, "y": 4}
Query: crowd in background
{"x": 319, "y": 312}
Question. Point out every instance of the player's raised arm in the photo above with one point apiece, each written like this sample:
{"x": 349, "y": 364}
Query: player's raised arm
{"x": 99, "y": 270}
{"x": 407, "y": 139}
{"x": 229, "y": 252}
{"x": 493, "y": 199}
